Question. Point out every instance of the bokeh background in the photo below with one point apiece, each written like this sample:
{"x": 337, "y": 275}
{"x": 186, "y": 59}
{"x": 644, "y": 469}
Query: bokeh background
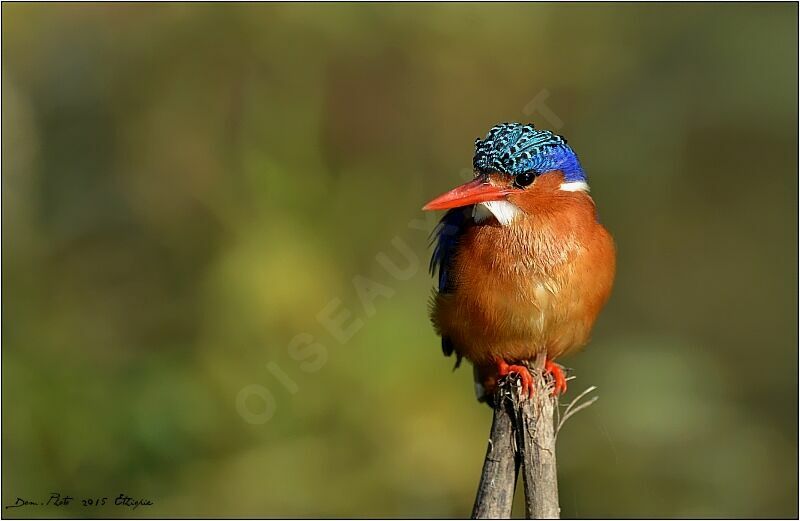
{"x": 188, "y": 189}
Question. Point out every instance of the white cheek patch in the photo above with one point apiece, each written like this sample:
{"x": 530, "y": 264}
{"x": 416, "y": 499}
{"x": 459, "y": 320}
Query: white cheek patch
{"x": 504, "y": 212}
{"x": 575, "y": 186}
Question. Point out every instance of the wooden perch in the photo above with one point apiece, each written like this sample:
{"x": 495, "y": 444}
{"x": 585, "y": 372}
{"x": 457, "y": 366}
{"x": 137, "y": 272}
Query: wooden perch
{"x": 523, "y": 436}
{"x": 536, "y": 443}
{"x": 501, "y": 466}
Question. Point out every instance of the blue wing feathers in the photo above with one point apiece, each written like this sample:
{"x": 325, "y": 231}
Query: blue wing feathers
{"x": 446, "y": 236}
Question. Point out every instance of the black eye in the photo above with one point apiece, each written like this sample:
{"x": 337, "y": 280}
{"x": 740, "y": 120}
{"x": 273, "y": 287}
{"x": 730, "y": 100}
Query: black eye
{"x": 524, "y": 179}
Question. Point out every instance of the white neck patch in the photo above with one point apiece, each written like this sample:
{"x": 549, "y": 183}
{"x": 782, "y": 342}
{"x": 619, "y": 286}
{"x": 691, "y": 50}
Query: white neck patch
{"x": 575, "y": 186}
{"x": 504, "y": 212}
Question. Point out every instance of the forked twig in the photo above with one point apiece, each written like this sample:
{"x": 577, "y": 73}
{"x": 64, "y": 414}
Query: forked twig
{"x": 523, "y": 439}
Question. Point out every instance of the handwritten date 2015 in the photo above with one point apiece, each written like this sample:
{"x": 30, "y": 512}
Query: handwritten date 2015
{"x": 57, "y": 499}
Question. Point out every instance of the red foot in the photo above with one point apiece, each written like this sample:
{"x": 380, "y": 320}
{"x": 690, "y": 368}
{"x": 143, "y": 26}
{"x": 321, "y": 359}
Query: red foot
{"x": 559, "y": 380}
{"x": 504, "y": 369}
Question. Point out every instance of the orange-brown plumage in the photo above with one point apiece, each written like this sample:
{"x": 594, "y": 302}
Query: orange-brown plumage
{"x": 533, "y": 285}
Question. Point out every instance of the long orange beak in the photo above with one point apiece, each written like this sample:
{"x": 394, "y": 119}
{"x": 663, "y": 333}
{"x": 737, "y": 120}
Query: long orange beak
{"x": 477, "y": 191}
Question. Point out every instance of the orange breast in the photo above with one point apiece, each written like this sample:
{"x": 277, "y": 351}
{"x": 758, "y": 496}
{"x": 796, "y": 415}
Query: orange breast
{"x": 535, "y": 285}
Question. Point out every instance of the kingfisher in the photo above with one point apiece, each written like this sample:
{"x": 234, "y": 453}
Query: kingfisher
{"x": 524, "y": 265}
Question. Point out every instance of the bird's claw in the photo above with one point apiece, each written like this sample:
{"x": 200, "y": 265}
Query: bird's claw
{"x": 552, "y": 369}
{"x": 557, "y": 373}
{"x": 504, "y": 369}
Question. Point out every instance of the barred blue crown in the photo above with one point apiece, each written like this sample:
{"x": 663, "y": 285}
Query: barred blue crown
{"x": 514, "y": 148}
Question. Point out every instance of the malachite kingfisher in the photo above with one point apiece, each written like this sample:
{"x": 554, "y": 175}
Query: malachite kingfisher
{"x": 524, "y": 264}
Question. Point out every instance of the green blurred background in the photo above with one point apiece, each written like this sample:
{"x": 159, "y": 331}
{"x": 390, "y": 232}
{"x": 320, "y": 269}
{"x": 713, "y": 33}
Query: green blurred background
{"x": 186, "y": 187}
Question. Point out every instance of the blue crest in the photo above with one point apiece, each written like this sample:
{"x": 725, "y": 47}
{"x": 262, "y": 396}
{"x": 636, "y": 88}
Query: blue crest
{"x": 513, "y": 148}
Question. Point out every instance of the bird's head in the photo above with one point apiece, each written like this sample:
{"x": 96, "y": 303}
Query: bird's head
{"x": 518, "y": 169}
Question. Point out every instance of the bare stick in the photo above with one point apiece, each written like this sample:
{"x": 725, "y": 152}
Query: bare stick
{"x": 500, "y": 468}
{"x": 523, "y": 434}
{"x": 536, "y": 440}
